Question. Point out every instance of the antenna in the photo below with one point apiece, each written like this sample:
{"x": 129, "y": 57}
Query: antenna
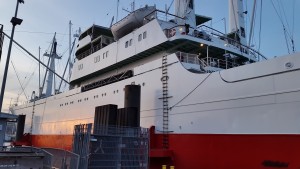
{"x": 133, "y": 6}
{"x": 118, "y": 3}
{"x": 170, "y": 6}
{"x": 126, "y": 10}
{"x": 112, "y": 20}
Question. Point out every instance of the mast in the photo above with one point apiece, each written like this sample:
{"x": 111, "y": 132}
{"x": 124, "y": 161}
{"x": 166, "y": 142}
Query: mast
{"x": 40, "y": 89}
{"x": 237, "y": 20}
{"x": 51, "y": 77}
{"x": 185, "y": 9}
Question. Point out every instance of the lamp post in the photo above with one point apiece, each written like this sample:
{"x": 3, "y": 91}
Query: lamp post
{"x": 15, "y": 21}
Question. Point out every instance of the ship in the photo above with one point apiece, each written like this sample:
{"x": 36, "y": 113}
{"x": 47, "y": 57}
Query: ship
{"x": 209, "y": 99}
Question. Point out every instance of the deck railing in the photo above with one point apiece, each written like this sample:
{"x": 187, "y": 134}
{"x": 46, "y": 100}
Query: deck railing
{"x": 205, "y": 62}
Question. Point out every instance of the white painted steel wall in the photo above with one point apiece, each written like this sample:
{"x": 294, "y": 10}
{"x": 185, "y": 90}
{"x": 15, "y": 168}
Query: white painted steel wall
{"x": 155, "y": 36}
{"x": 266, "y": 101}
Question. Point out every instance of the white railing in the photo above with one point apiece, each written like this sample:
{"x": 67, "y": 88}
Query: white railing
{"x": 205, "y": 62}
{"x": 219, "y": 63}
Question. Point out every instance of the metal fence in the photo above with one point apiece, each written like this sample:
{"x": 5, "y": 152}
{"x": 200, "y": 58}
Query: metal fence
{"x": 81, "y": 144}
{"x": 112, "y": 147}
{"x": 47, "y": 157}
{"x": 63, "y": 159}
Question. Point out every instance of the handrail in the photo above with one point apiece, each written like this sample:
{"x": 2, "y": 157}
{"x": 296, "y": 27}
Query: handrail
{"x": 157, "y": 10}
{"x": 226, "y": 37}
{"x": 210, "y": 28}
{"x": 205, "y": 62}
{"x": 222, "y": 36}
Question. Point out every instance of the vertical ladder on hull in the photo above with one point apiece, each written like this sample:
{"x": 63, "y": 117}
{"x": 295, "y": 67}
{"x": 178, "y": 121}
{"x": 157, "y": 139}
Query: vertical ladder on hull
{"x": 165, "y": 98}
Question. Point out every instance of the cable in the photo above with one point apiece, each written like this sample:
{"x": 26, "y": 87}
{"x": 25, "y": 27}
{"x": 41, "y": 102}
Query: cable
{"x": 191, "y": 91}
{"x": 48, "y": 33}
{"x": 284, "y": 14}
{"x": 286, "y": 33}
{"x": 260, "y": 20}
{"x": 19, "y": 81}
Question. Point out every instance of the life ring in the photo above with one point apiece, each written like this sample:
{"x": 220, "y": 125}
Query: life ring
{"x": 172, "y": 32}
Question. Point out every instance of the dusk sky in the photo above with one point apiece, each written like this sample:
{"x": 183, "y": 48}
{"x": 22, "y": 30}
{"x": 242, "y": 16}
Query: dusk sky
{"x": 42, "y": 18}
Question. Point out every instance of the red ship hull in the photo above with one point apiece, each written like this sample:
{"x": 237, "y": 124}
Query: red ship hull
{"x": 209, "y": 151}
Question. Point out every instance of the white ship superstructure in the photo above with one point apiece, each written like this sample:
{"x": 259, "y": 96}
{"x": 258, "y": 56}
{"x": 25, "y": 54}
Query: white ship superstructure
{"x": 194, "y": 81}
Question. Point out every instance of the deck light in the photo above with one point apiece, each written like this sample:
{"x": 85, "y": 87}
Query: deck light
{"x": 201, "y": 44}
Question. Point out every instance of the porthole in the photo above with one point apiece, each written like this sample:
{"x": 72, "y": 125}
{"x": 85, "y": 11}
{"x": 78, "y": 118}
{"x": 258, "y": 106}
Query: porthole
{"x": 289, "y": 65}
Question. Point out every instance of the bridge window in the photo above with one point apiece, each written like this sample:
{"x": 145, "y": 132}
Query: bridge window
{"x": 140, "y": 37}
{"x": 145, "y": 35}
{"x": 130, "y": 42}
{"x": 126, "y": 44}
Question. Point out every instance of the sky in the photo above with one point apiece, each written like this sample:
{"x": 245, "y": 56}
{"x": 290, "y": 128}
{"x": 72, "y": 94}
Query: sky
{"x": 41, "y": 19}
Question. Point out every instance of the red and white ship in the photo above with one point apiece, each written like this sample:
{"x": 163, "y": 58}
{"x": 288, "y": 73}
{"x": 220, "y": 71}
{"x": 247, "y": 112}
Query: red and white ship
{"x": 221, "y": 104}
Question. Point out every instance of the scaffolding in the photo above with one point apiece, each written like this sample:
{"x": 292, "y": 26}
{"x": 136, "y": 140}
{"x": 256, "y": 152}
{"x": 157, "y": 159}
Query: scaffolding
{"x": 113, "y": 147}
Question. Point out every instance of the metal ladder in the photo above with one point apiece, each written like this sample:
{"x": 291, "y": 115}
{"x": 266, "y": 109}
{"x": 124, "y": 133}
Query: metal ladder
{"x": 164, "y": 80}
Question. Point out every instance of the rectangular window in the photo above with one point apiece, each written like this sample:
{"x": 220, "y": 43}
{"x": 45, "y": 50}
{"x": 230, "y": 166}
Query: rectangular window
{"x": 80, "y": 67}
{"x": 126, "y": 44}
{"x": 145, "y": 35}
{"x": 106, "y": 53}
{"x": 140, "y": 37}
{"x": 130, "y": 42}
{"x": 103, "y": 55}
{"x": 96, "y": 59}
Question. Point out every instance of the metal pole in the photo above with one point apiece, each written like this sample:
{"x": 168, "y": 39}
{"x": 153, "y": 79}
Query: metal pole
{"x": 1, "y": 40}
{"x": 8, "y": 57}
{"x": 225, "y": 26}
{"x": 70, "y": 51}
{"x": 40, "y": 92}
{"x": 252, "y": 23}
{"x": 66, "y": 65}
{"x": 207, "y": 55}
